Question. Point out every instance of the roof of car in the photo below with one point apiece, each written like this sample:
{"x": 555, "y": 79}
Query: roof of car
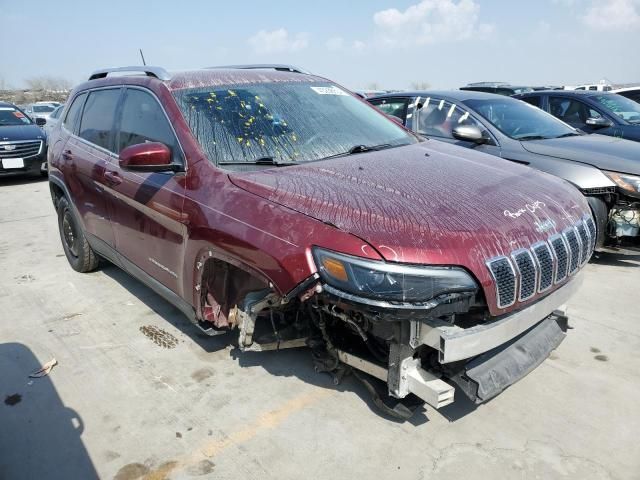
{"x": 628, "y": 88}
{"x": 457, "y": 95}
{"x": 6, "y": 104}
{"x": 495, "y": 86}
{"x": 234, "y": 76}
{"x": 564, "y": 92}
{"x": 206, "y": 77}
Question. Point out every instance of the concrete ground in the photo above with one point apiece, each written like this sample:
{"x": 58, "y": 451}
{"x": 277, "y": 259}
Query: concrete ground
{"x": 128, "y": 400}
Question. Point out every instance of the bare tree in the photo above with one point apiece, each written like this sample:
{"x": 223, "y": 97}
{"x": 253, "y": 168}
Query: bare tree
{"x": 420, "y": 85}
{"x": 49, "y": 83}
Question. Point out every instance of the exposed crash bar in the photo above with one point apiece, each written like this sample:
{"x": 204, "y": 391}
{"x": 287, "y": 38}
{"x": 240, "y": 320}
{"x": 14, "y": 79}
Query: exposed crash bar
{"x": 421, "y": 383}
{"x": 456, "y": 343}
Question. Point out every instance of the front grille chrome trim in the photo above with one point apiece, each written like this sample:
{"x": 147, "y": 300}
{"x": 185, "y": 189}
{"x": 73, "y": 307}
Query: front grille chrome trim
{"x": 535, "y": 248}
{"x": 560, "y": 274}
{"x": 21, "y": 148}
{"x": 526, "y": 272}
{"x": 590, "y": 226}
{"x": 490, "y": 264}
{"x": 515, "y": 255}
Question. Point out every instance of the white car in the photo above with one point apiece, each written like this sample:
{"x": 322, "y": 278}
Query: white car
{"x": 596, "y": 87}
{"x": 52, "y": 120}
{"x": 39, "y": 110}
{"x": 632, "y": 93}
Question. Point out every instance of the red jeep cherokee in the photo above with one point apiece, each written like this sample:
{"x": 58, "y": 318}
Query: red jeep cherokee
{"x": 277, "y": 203}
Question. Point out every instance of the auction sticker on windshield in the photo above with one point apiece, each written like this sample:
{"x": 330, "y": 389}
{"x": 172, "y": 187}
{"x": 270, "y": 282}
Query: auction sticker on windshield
{"x": 329, "y": 91}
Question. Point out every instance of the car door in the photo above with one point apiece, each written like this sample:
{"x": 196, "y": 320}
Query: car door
{"x": 436, "y": 118}
{"x": 146, "y": 207}
{"x": 89, "y": 126}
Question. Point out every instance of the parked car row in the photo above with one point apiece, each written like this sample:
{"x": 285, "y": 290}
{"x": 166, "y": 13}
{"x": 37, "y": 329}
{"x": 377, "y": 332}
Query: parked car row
{"x": 280, "y": 206}
{"x": 606, "y": 170}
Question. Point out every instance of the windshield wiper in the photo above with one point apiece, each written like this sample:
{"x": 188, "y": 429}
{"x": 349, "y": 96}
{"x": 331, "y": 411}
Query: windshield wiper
{"x": 531, "y": 137}
{"x": 570, "y": 134}
{"x": 362, "y": 149}
{"x": 262, "y": 161}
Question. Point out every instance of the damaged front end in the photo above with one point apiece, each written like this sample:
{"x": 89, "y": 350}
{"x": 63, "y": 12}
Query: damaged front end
{"x": 421, "y": 330}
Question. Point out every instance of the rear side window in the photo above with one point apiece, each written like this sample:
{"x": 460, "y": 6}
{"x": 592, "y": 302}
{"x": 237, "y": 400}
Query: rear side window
{"x": 143, "y": 120}
{"x": 535, "y": 101}
{"x": 395, "y": 107}
{"x": 73, "y": 114}
{"x": 438, "y": 118}
{"x": 98, "y": 117}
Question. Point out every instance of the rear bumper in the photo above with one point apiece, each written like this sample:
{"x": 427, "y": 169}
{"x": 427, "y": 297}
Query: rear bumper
{"x": 455, "y": 344}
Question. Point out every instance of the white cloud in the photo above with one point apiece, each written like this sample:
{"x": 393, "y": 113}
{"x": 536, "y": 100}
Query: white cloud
{"x": 335, "y": 43}
{"x": 613, "y": 15}
{"x": 358, "y": 45}
{"x": 278, "y": 41}
{"x": 338, "y": 44}
{"x": 431, "y": 21}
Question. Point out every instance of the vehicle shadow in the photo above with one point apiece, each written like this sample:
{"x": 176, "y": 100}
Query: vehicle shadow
{"x": 21, "y": 180}
{"x": 296, "y": 362}
{"x": 164, "y": 309}
{"x": 40, "y": 437}
{"x": 623, "y": 258}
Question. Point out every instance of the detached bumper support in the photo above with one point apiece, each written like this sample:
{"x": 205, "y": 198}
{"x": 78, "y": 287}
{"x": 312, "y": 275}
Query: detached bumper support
{"x": 487, "y": 375}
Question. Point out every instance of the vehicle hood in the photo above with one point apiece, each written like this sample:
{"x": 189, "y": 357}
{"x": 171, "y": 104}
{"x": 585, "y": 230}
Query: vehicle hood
{"x": 21, "y": 132}
{"x": 429, "y": 203}
{"x": 607, "y": 153}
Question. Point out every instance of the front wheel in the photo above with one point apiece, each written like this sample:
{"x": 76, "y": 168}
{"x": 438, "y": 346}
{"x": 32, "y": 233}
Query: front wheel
{"x": 79, "y": 253}
{"x": 600, "y": 213}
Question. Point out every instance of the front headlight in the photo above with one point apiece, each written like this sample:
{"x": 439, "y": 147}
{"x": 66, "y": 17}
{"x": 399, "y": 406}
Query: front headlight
{"x": 389, "y": 281}
{"x": 631, "y": 183}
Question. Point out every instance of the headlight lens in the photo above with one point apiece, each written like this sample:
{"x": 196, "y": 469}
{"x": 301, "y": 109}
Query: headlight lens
{"x": 389, "y": 281}
{"x": 625, "y": 181}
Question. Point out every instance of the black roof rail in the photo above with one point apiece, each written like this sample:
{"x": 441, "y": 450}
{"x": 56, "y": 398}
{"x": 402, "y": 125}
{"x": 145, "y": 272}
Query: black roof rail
{"x": 157, "y": 72}
{"x": 266, "y": 66}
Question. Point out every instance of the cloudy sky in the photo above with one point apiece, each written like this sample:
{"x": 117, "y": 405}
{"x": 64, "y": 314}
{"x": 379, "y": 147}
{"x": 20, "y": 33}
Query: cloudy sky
{"x": 391, "y": 43}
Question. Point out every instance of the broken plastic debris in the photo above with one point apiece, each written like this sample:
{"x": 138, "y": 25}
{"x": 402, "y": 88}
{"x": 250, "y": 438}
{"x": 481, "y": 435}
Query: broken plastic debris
{"x": 45, "y": 369}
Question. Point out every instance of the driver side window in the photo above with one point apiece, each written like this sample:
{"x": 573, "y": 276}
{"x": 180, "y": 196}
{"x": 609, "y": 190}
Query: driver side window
{"x": 142, "y": 121}
{"x": 571, "y": 111}
{"x": 438, "y": 118}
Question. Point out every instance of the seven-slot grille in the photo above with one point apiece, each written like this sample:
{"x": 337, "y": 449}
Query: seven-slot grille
{"x": 535, "y": 270}
{"x": 20, "y": 149}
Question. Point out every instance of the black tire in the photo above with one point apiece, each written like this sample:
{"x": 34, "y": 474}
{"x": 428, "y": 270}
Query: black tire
{"x": 79, "y": 253}
{"x": 601, "y": 216}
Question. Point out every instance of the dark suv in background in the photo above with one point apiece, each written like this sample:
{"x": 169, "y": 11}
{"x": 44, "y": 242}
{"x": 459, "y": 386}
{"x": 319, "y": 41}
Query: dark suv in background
{"x": 592, "y": 112}
{"x": 500, "y": 88}
{"x": 279, "y": 205}
{"x": 23, "y": 144}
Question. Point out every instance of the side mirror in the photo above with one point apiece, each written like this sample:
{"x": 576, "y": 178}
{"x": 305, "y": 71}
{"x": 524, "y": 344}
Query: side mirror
{"x": 469, "y": 133}
{"x": 598, "y": 122}
{"x": 147, "y": 157}
{"x": 41, "y": 121}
